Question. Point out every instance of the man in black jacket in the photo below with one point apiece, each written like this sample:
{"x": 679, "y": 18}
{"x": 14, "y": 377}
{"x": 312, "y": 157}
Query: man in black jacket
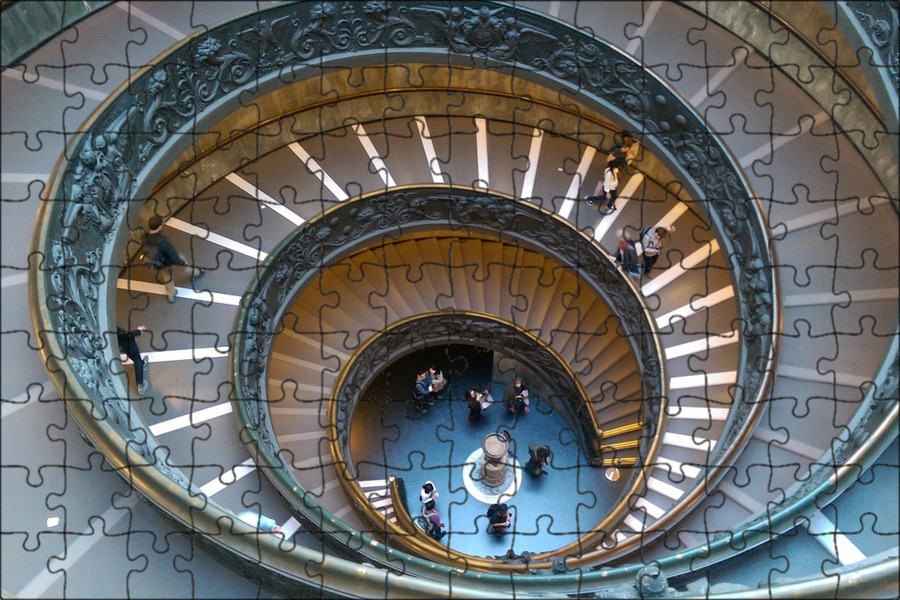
{"x": 164, "y": 256}
{"x": 128, "y": 345}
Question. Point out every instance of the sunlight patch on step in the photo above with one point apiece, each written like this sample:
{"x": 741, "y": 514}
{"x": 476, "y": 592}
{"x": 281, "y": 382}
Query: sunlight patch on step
{"x": 574, "y": 191}
{"x": 534, "y": 155}
{"x": 606, "y": 222}
{"x": 215, "y": 238}
{"x": 69, "y": 89}
{"x": 779, "y": 141}
{"x": 197, "y": 416}
{"x": 481, "y": 148}
{"x": 695, "y": 306}
{"x": 228, "y": 477}
{"x": 266, "y": 200}
{"x": 702, "y": 380}
{"x": 703, "y": 345}
{"x": 313, "y": 167}
{"x": 159, "y": 289}
{"x": 704, "y": 253}
{"x": 162, "y": 356}
{"x": 375, "y": 158}
{"x": 434, "y": 165}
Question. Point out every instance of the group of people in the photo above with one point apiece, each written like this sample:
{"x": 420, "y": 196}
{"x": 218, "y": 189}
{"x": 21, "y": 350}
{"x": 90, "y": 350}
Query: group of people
{"x": 161, "y": 255}
{"x": 499, "y": 516}
{"x": 434, "y": 527}
{"x": 651, "y": 239}
{"x": 515, "y": 396}
{"x": 429, "y": 383}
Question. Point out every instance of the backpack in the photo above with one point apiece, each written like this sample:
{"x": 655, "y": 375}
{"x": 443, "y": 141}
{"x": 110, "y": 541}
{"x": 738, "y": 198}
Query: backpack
{"x": 149, "y": 252}
{"x": 643, "y": 233}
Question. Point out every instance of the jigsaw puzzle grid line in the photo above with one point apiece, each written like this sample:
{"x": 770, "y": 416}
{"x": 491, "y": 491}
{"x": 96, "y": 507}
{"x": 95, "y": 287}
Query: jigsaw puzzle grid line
{"x": 815, "y": 189}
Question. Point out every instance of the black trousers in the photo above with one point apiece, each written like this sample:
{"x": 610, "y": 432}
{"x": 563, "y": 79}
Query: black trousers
{"x": 649, "y": 261}
{"x": 611, "y": 198}
{"x": 130, "y": 348}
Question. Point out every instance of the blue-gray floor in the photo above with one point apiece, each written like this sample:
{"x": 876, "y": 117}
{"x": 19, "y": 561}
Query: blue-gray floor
{"x": 388, "y": 437}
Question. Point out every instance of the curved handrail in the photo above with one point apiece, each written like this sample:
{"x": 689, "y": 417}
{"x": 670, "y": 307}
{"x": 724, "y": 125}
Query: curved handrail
{"x": 466, "y": 327}
{"x": 345, "y": 229}
{"x": 24, "y": 31}
{"x": 752, "y": 25}
{"x": 85, "y": 227}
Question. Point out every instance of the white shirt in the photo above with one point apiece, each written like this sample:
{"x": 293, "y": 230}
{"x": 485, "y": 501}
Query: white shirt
{"x": 610, "y": 179}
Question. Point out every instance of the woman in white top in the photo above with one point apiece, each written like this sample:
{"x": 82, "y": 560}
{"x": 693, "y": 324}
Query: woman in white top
{"x": 652, "y": 240}
{"x": 611, "y": 184}
{"x": 428, "y": 493}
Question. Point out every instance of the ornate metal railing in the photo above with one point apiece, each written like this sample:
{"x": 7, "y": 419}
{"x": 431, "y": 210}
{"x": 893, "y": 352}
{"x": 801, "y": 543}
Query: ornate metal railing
{"x": 871, "y": 25}
{"x": 456, "y": 327}
{"x": 347, "y": 228}
{"x": 134, "y": 136}
{"x": 462, "y": 327}
{"x": 350, "y": 227}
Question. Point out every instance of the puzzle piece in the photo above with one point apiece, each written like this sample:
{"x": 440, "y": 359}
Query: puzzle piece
{"x": 361, "y": 191}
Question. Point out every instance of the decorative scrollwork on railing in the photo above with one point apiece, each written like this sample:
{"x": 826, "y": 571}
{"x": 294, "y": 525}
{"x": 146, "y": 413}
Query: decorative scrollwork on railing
{"x": 880, "y": 21}
{"x": 136, "y": 135}
{"x": 125, "y": 140}
{"x": 351, "y": 226}
{"x": 455, "y": 328}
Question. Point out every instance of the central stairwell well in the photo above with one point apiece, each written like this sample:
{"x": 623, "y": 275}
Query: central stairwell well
{"x": 369, "y": 292}
{"x": 806, "y": 225}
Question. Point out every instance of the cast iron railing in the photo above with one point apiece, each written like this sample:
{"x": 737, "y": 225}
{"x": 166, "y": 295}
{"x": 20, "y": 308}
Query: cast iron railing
{"x": 133, "y": 136}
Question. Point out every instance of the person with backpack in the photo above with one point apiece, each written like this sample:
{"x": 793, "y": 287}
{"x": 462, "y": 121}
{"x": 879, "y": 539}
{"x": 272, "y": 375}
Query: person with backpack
{"x": 128, "y": 346}
{"x": 626, "y": 254}
{"x": 652, "y": 240}
{"x": 163, "y": 256}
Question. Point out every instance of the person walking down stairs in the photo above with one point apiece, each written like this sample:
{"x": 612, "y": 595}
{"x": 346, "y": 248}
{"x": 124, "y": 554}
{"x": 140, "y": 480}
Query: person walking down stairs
{"x": 128, "y": 346}
{"x": 652, "y": 241}
{"x": 164, "y": 256}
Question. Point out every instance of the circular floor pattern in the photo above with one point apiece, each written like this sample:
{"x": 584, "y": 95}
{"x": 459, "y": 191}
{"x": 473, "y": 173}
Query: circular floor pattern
{"x": 484, "y": 493}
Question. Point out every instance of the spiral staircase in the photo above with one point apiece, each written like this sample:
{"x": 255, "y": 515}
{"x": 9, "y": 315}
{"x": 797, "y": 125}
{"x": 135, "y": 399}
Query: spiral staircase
{"x": 791, "y": 492}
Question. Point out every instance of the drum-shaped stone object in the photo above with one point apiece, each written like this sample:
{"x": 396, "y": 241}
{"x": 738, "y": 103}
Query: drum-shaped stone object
{"x": 495, "y": 449}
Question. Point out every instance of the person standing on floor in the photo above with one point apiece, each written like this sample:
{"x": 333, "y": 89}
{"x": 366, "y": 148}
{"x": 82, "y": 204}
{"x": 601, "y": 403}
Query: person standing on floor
{"x": 538, "y": 458}
{"x": 516, "y": 393}
{"x": 433, "y": 525}
{"x": 128, "y": 346}
{"x": 652, "y": 241}
{"x": 611, "y": 183}
{"x": 500, "y": 519}
{"x": 164, "y": 256}
{"x": 422, "y": 392}
{"x": 428, "y": 494}
{"x": 473, "y": 402}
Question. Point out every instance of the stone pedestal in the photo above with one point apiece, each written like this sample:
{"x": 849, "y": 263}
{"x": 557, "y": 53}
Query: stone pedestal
{"x": 495, "y": 449}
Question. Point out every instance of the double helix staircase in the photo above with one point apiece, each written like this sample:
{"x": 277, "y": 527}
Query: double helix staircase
{"x": 833, "y": 229}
